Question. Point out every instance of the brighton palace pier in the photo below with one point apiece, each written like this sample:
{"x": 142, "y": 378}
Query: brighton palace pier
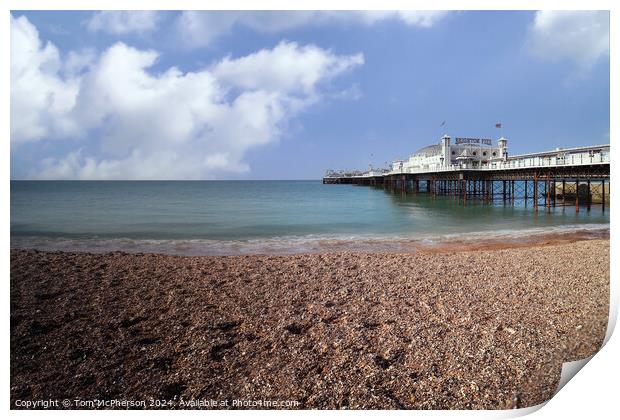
{"x": 475, "y": 169}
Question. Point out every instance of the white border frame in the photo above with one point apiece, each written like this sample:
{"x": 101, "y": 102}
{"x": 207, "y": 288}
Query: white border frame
{"x": 592, "y": 394}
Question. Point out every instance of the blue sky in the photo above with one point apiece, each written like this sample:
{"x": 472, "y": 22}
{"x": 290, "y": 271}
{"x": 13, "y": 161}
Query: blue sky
{"x": 274, "y": 95}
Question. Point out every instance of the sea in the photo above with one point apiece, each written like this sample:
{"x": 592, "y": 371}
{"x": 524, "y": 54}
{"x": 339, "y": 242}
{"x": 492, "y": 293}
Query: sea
{"x": 267, "y": 217}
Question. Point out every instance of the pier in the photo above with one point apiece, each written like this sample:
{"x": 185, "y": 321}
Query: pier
{"x": 576, "y": 177}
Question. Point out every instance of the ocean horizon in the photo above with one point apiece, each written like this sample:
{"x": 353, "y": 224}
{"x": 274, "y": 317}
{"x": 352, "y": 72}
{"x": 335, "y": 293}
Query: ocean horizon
{"x": 266, "y": 217}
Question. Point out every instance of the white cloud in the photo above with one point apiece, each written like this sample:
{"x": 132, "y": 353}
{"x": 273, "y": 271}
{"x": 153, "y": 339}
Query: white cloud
{"x": 131, "y": 123}
{"x": 423, "y": 18}
{"x": 78, "y": 62}
{"x": 199, "y": 29}
{"x": 40, "y": 98}
{"x": 123, "y": 22}
{"x": 580, "y": 36}
{"x": 287, "y": 67}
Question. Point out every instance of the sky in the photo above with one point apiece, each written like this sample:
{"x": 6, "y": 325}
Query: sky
{"x": 287, "y": 95}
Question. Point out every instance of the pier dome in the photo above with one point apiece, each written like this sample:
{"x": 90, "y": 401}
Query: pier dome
{"x": 432, "y": 150}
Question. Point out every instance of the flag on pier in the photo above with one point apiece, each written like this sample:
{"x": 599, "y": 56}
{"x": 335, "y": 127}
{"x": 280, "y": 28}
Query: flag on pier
{"x": 498, "y": 125}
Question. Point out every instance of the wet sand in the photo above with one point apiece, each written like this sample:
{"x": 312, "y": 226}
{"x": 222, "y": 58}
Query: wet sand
{"x": 428, "y": 330}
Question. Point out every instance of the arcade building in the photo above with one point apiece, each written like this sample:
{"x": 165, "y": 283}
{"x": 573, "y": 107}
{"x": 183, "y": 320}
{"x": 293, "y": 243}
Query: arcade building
{"x": 466, "y": 152}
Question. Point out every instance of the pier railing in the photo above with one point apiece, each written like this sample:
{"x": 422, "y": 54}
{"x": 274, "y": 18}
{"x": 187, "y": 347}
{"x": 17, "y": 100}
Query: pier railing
{"x": 577, "y": 176}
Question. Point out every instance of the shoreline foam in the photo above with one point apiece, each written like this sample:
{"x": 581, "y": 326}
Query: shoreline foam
{"x": 317, "y": 244}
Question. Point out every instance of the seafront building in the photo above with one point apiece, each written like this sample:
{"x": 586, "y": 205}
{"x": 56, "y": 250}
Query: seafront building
{"x": 467, "y": 153}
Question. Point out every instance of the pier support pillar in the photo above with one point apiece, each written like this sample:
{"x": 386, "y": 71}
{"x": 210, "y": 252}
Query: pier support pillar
{"x": 535, "y": 197}
{"x": 563, "y": 192}
{"x": 603, "y": 195}
{"x": 548, "y": 187}
{"x": 577, "y": 196}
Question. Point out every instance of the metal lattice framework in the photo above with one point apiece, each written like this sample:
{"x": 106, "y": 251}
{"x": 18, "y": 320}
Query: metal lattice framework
{"x": 580, "y": 185}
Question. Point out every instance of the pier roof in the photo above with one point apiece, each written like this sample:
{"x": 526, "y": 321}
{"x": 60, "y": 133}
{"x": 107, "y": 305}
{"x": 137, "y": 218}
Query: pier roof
{"x": 561, "y": 150}
{"x": 432, "y": 150}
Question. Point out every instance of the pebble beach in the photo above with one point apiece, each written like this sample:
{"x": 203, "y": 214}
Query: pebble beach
{"x": 441, "y": 329}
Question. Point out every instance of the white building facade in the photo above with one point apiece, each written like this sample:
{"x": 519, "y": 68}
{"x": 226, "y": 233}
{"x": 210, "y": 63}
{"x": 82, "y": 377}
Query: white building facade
{"x": 466, "y": 153}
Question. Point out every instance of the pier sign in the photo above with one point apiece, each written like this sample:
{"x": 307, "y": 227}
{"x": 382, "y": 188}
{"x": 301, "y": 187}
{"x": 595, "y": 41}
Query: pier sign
{"x": 470, "y": 140}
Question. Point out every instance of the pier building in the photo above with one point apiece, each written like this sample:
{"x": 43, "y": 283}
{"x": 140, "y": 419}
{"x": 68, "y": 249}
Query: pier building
{"x": 474, "y": 168}
{"x": 464, "y": 152}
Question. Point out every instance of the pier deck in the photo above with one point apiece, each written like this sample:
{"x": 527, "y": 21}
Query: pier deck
{"x": 539, "y": 180}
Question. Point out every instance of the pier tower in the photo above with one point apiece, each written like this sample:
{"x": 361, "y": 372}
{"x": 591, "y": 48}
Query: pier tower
{"x": 502, "y": 143}
{"x": 445, "y": 150}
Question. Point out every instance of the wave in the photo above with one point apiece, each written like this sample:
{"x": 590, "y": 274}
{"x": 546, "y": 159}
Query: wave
{"x": 285, "y": 245}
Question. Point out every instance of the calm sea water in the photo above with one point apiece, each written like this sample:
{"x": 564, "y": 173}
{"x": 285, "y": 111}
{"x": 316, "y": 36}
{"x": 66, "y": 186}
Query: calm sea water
{"x": 236, "y": 217}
